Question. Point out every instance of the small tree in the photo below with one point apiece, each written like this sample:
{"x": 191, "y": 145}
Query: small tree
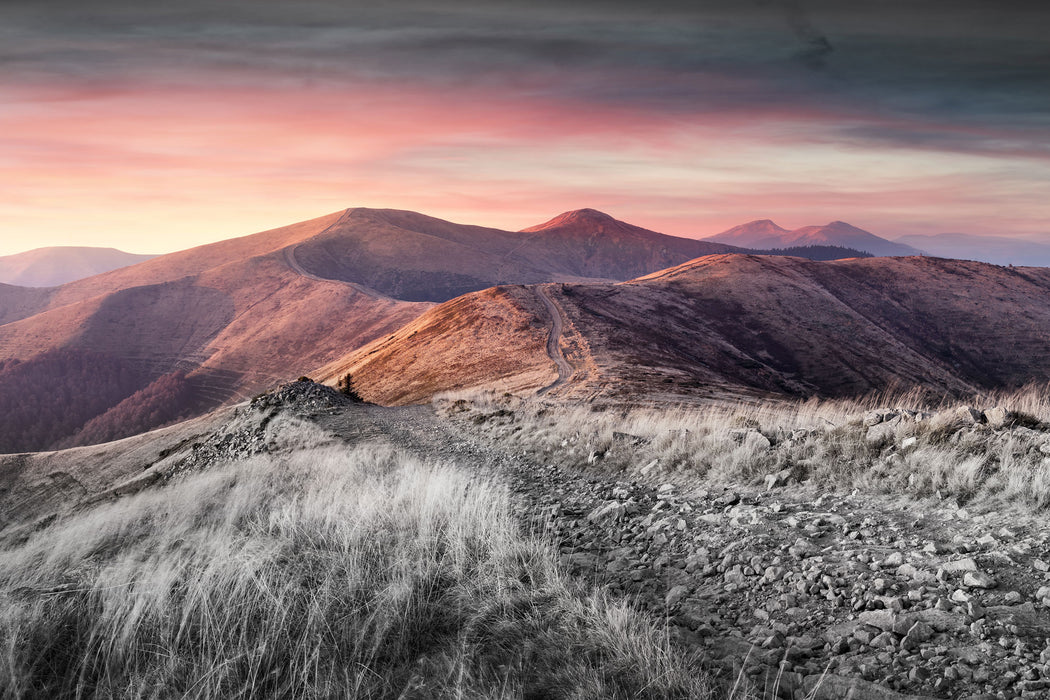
{"x": 346, "y": 386}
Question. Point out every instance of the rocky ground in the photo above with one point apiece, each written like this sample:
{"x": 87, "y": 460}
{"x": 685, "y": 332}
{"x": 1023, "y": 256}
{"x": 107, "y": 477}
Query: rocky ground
{"x": 803, "y": 594}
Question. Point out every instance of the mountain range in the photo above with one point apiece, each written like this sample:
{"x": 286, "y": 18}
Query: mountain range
{"x": 49, "y": 267}
{"x": 764, "y": 234}
{"x": 411, "y": 304}
{"x": 731, "y": 325}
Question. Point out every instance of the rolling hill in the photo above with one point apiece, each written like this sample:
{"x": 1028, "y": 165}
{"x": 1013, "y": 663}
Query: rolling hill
{"x": 764, "y": 234}
{"x": 733, "y": 324}
{"x": 50, "y": 267}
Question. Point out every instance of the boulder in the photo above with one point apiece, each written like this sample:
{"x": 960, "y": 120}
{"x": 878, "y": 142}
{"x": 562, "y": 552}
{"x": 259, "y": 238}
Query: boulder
{"x": 979, "y": 579}
{"x": 957, "y": 566}
{"x": 997, "y": 417}
{"x": 968, "y": 414}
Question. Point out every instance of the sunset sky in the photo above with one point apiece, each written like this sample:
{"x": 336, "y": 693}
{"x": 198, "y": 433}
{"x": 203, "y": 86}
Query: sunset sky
{"x": 152, "y": 128}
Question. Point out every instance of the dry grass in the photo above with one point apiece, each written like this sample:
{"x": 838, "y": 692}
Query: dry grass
{"x": 824, "y": 442}
{"x": 322, "y": 572}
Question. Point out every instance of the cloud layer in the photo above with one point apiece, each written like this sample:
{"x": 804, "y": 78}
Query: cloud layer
{"x": 910, "y": 117}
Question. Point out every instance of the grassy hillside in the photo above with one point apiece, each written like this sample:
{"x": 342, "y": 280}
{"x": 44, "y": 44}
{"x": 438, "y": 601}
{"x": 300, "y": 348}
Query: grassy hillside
{"x": 993, "y": 447}
{"x": 314, "y": 571}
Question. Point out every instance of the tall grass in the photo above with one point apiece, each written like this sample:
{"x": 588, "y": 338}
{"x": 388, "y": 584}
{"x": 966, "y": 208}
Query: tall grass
{"x": 324, "y": 572}
{"x": 823, "y": 441}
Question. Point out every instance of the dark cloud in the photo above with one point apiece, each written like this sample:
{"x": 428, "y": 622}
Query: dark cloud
{"x": 960, "y": 62}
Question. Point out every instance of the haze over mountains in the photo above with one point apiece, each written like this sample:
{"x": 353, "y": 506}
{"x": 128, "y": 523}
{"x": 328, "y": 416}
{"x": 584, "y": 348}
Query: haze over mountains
{"x": 1001, "y": 251}
{"x": 764, "y": 234}
{"x": 174, "y": 336}
{"x": 48, "y": 267}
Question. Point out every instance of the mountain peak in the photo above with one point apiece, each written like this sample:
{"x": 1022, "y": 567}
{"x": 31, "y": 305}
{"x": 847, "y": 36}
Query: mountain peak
{"x": 744, "y": 234}
{"x": 842, "y": 225}
{"x": 575, "y": 217}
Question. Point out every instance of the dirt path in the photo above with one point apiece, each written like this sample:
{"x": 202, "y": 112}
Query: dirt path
{"x": 293, "y": 262}
{"x": 554, "y": 340}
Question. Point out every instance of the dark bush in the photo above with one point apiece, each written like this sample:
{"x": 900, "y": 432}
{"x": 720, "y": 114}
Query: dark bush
{"x": 346, "y": 386}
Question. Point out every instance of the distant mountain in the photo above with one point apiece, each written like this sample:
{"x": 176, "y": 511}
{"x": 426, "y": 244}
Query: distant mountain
{"x": 732, "y": 324}
{"x": 589, "y": 243}
{"x": 419, "y": 258}
{"x": 764, "y": 234}
{"x": 49, "y": 267}
{"x": 753, "y": 234}
{"x": 991, "y": 249}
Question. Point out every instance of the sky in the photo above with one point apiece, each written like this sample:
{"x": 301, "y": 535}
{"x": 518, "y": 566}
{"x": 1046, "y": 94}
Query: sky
{"x": 153, "y": 127}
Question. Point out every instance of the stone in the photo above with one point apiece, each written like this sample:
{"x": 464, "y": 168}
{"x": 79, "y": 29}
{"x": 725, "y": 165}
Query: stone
{"x": 803, "y": 548}
{"x": 968, "y": 414}
{"x": 676, "y": 595}
{"x": 880, "y": 433}
{"x": 908, "y": 442}
{"x": 988, "y": 541}
{"x": 979, "y": 579}
{"x": 729, "y": 498}
{"x": 997, "y": 417}
{"x": 892, "y": 560}
{"x": 909, "y": 571}
{"x": 920, "y": 632}
{"x": 957, "y": 566}
{"x": 883, "y": 619}
{"x": 877, "y": 416}
{"x": 751, "y": 438}
{"x": 613, "y": 510}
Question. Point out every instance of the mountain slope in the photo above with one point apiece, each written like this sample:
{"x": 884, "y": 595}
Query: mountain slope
{"x": 990, "y": 249}
{"x": 750, "y": 234}
{"x": 589, "y": 243}
{"x": 207, "y": 325}
{"x": 750, "y": 324}
{"x": 764, "y": 234}
{"x": 217, "y": 322}
{"x": 416, "y": 257}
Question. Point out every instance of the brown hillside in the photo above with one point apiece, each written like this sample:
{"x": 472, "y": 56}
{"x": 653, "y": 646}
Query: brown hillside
{"x": 411, "y": 256}
{"x": 765, "y": 325}
{"x": 230, "y": 325}
{"x": 591, "y": 244}
{"x": 493, "y": 338}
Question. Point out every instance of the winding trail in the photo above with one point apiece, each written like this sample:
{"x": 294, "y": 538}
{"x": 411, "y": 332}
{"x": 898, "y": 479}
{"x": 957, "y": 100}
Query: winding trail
{"x": 289, "y": 256}
{"x": 554, "y": 340}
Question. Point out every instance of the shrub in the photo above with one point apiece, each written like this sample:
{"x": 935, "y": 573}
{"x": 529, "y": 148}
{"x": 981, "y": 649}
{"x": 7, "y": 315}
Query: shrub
{"x": 346, "y": 386}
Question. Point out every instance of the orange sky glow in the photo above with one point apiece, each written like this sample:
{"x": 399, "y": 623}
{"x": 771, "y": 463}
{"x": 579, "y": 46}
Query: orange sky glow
{"x": 152, "y": 164}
